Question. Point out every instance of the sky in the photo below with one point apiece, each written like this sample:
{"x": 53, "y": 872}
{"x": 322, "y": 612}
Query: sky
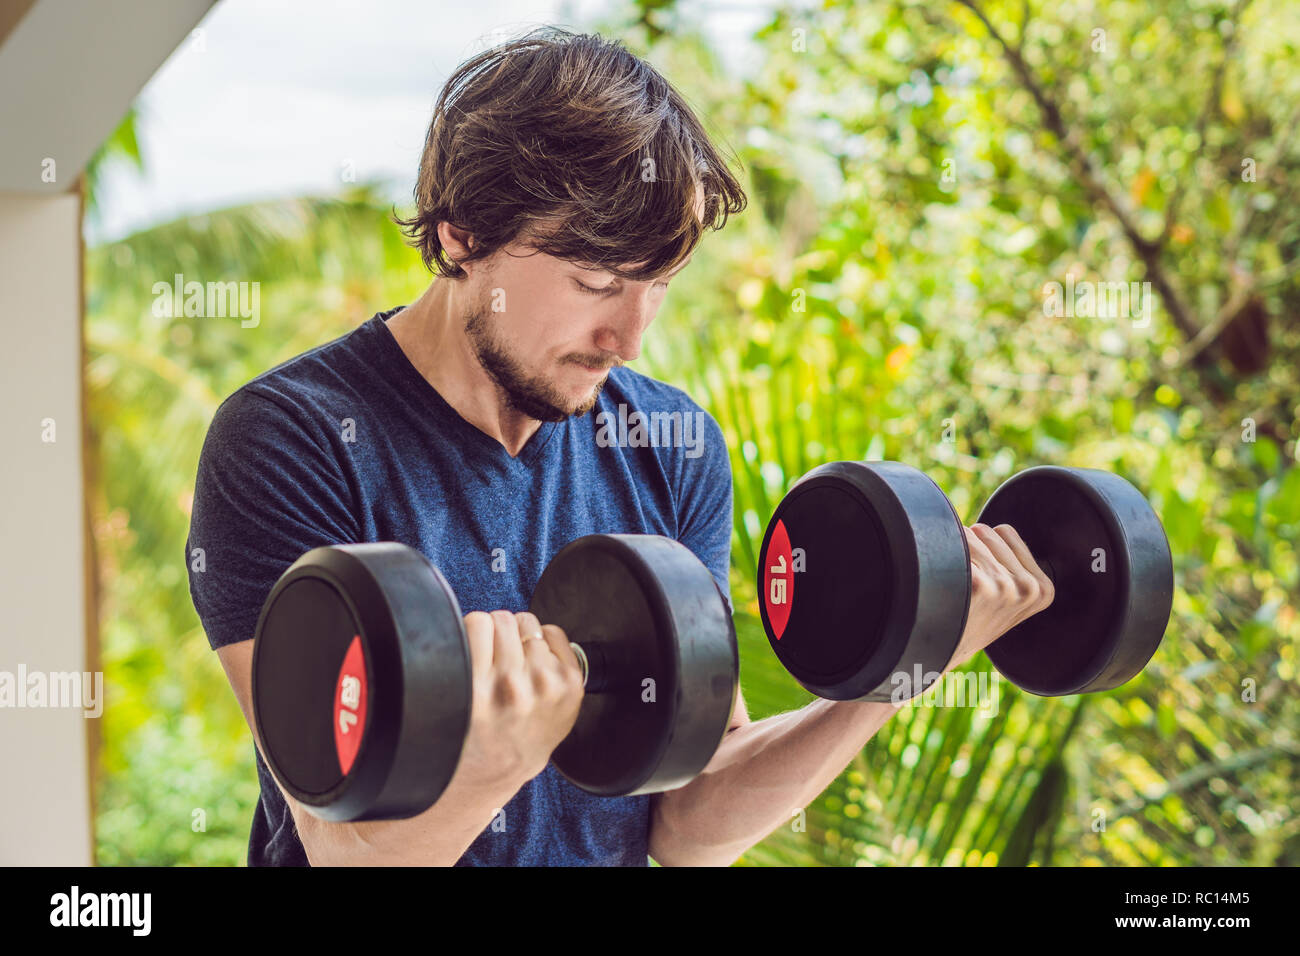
{"x": 275, "y": 98}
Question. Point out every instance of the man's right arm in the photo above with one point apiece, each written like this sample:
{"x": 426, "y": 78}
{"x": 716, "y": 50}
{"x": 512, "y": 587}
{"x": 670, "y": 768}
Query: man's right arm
{"x": 270, "y": 486}
{"x": 437, "y": 837}
{"x": 525, "y": 699}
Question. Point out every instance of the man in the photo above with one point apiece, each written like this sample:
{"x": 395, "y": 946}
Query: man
{"x": 563, "y": 183}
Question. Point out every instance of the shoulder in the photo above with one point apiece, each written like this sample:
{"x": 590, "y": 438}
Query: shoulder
{"x": 256, "y": 418}
{"x": 297, "y": 395}
{"x": 314, "y": 377}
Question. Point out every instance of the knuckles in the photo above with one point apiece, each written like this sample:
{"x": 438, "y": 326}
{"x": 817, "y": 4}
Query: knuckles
{"x": 553, "y": 685}
{"x": 513, "y": 689}
{"x": 1048, "y": 591}
{"x": 1020, "y": 587}
{"x": 1027, "y": 587}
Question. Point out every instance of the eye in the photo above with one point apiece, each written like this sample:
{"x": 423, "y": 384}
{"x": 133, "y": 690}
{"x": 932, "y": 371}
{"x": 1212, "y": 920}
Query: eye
{"x": 591, "y": 290}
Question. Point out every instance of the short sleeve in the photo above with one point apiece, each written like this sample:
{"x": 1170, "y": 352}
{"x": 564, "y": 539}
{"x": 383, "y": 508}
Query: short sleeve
{"x": 704, "y": 505}
{"x": 267, "y": 490}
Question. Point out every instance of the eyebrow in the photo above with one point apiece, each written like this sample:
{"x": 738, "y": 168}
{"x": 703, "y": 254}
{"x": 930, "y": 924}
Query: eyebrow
{"x": 669, "y": 275}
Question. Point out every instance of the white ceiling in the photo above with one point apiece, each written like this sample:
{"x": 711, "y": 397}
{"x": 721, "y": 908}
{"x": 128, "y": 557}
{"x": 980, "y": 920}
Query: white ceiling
{"x": 68, "y": 72}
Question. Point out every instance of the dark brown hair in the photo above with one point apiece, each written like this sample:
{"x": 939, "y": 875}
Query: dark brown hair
{"x": 574, "y": 146}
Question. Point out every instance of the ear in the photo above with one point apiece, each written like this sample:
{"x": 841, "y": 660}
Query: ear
{"x": 455, "y": 241}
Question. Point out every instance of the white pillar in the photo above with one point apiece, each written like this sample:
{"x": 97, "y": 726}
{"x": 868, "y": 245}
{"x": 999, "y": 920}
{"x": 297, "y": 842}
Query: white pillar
{"x": 44, "y": 778}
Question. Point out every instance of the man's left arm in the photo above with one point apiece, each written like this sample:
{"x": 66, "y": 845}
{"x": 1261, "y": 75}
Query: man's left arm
{"x": 765, "y": 771}
{"x": 762, "y": 774}
{"x": 762, "y": 771}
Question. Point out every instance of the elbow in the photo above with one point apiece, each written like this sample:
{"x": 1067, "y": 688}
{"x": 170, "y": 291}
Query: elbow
{"x": 319, "y": 838}
{"x": 310, "y": 836}
{"x": 695, "y": 856}
{"x": 670, "y": 845}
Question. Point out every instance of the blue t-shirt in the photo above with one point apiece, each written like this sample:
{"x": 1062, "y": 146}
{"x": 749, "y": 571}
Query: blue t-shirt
{"x": 349, "y": 443}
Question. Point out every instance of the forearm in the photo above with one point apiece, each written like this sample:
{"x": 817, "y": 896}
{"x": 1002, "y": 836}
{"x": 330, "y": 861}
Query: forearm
{"x": 438, "y": 836}
{"x": 761, "y": 774}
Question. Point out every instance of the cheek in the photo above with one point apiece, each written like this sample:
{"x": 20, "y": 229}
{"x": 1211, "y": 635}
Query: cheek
{"x": 543, "y": 335}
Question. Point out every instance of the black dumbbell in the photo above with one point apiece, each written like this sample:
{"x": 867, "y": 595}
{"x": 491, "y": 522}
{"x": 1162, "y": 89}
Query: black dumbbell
{"x": 362, "y": 685}
{"x": 864, "y": 576}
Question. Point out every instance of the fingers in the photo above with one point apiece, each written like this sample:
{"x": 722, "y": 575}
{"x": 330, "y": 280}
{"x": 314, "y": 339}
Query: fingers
{"x": 536, "y": 649}
{"x": 529, "y": 625}
{"x": 1015, "y": 567}
{"x": 510, "y": 641}
{"x": 559, "y": 645}
{"x": 507, "y": 645}
{"x": 997, "y": 546}
{"x": 553, "y": 664}
{"x": 552, "y": 648}
{"x": 980, "y": 555}
{"x": 479, "y": 630}
{"x": 495, "y": 640}
{"x": 1023, "y": 554}
{"x": 539, "y": 643}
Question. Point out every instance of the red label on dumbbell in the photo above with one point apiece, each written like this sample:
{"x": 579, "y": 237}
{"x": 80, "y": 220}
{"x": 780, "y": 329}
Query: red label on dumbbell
{"x": 778, "y": 580}
{"x": 350, "y": 705}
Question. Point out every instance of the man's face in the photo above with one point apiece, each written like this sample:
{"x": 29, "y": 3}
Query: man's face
{"x": 548, "y": 331}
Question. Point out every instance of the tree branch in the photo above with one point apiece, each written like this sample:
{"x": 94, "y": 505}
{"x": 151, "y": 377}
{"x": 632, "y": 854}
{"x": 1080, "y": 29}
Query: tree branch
{"x": 1082, "y": 166}
{"x": 1243, "y": 288}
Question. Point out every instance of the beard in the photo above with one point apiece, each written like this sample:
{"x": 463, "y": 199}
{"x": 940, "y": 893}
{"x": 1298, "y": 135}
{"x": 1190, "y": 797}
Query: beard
{"x": 531, "y": 395}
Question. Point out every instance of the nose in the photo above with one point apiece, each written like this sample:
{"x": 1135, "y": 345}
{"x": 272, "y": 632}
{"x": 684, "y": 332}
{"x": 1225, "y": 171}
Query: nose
{"x": 622, "y": 329}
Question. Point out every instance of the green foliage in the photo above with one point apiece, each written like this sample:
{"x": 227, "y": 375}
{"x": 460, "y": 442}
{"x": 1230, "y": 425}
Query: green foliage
{"x": 899, "y": 288}
{"x": 913, "y": 198}
{"x": 121, "y": 146}
{"x": 182, "y": 800}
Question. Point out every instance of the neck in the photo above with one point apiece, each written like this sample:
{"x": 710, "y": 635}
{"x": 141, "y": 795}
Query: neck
{"x": 431, "y": 331}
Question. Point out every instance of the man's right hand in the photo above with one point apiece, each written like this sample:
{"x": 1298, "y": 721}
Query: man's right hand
{"x": 1007, "y": 586}
{"x": 527, "y": 689}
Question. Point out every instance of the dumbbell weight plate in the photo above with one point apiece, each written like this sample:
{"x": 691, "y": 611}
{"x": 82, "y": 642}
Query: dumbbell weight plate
{"x": 361, "y": 681}
{"x": 864, "y": 580}
{"x": 1103, "y": 625}
{"x": 647, "y": 603}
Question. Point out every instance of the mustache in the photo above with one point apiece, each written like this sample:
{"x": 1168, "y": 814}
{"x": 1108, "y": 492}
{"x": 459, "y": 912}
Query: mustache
{"x": 605, "y": 363}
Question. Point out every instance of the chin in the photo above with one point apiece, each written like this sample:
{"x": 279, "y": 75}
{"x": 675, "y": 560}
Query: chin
{"x": 588, "y": 400}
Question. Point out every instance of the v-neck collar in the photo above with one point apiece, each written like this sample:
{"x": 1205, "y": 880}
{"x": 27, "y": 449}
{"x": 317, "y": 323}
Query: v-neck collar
{"x": 415, "y": 384}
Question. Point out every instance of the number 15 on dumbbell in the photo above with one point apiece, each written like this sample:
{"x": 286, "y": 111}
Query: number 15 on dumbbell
{"x": 865, "y": 573}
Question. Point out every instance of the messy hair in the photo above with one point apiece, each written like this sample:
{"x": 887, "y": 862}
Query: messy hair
{"x": 577, "y": 148}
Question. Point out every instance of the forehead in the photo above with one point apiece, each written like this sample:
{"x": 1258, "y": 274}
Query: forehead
{"x": 589, "y": 267}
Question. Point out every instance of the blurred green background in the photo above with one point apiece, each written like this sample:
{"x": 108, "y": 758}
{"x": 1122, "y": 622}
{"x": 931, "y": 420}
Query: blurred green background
{"x": 917, "y": 172}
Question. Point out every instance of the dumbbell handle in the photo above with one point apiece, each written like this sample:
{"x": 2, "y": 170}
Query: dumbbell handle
{"x": 599, "y": 662}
